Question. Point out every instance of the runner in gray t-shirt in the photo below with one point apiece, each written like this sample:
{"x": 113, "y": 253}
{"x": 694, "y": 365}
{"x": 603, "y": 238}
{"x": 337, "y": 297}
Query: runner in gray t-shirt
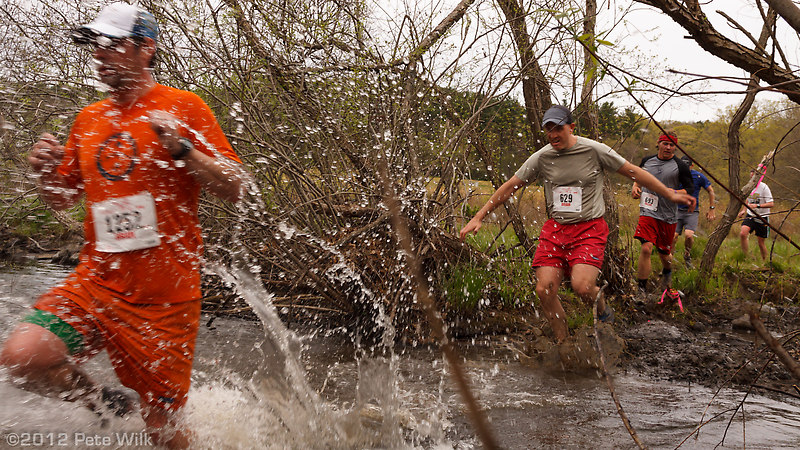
{"x": 574, "y": 195}
{"x": 573, "y": 239}
{"x": 657, "y": 214}
{"x": 760, "y": 199}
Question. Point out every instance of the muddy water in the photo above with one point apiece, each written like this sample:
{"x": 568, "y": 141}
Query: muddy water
{"x": 403, "y": 400}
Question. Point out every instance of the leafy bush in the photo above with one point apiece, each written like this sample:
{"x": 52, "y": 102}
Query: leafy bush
{"x": 464, "y": 287}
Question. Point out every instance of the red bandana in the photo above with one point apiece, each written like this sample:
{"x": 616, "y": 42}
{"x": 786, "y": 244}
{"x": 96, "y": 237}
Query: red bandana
{"x": 668, "y": 138}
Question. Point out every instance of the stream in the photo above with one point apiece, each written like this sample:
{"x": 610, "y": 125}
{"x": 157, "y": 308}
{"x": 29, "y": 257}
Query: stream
{"x": 257, "y": 387}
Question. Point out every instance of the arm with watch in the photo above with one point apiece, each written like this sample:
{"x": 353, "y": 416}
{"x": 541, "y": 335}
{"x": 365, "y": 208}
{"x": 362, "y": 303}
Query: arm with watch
{"x": 712, "y": 202}
{"x": 221, "y": 176}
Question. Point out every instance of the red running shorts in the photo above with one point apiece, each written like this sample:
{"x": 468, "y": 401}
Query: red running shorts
{"x": 563, "y": 246}
{"x": 660, "y": 233}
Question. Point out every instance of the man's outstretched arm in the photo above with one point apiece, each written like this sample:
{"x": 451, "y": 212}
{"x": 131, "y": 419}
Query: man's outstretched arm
{"x": 499, "y": 197}
{"x": 646, "y": 179}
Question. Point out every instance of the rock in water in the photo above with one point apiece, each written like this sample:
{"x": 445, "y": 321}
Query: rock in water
{"x": 577, "y": 353}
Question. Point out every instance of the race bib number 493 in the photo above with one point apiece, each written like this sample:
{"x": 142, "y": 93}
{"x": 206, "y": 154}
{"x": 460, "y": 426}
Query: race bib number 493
{"x": 649, "y": 201}
{"x": 567, "y": 199}
{"x": 125, "y": 224}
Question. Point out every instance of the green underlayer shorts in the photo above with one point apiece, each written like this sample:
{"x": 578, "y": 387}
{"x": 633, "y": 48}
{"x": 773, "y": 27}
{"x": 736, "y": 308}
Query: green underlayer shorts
{"x": 55, "y": 325}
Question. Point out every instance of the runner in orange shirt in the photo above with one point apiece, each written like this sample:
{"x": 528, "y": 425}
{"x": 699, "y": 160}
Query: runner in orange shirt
{"x": 140, "y": 158}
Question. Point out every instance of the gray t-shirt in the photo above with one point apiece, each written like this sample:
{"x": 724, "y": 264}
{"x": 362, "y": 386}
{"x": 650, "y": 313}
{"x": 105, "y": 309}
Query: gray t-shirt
{"x": 572, "y": 178}
{"x": 675, "y": 174}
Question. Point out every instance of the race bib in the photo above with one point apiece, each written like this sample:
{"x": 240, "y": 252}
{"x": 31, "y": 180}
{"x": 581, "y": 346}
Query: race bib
{"x": 649, "y": 201}
{"x": 567, "y": 199}
{"x": 126, "y": 223}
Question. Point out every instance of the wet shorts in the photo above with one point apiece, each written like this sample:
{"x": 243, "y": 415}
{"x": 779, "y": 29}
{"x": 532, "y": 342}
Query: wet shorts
{"x": 563, "y": 246}
{"x": 760, "y": 228}
{"x": 687, "y": 221}
{"x": 151, "y": 346}
{"x": 656, "y": 231}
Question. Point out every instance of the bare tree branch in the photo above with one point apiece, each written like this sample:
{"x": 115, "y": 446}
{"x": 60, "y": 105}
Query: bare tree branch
{"x": 535, "y": 88}
{"x": 689, "y": 15}
{"x": 788, "y": 10}
{"x": 774, "y": 345}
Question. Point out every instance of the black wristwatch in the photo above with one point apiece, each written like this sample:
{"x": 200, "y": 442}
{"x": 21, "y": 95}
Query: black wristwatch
{"x": 186, "y": 148}
{"x": 711, "y": 207}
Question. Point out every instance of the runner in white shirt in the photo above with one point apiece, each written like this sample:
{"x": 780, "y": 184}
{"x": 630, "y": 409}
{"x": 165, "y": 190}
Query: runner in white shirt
{"x": 760, "y": 199}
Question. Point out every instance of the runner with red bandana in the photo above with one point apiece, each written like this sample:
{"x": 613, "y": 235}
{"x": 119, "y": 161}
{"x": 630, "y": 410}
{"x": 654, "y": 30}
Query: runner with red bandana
{"x": 658, "y": 214}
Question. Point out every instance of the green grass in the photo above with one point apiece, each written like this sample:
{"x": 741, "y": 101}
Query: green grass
{"x": 486, "y": 237}
{"x": 506, "y": 284}
{"x": 464, "y": 287}
{"x": 509, "y": 281}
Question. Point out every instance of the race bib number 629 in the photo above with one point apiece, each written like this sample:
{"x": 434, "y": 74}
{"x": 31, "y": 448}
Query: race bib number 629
{"x": 567, "y": 199}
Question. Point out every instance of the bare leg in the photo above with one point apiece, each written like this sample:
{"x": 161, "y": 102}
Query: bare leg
{"x": 644, "y": 266}
{"x": 584, "y": 283}
{"x": 39, "y": 358}
{"x": 666, "y": 263}
{"x": 762, "y": 246}
{"x": 548, "y": 281}
{"x": 744, "y": 234}
{"x": 164, "y": 428}
{"x": 666, "y": 260}
{"x": 688, "y": 242}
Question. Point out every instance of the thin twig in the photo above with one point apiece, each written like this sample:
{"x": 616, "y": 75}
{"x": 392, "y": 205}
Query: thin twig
{"x": 607, "y": 376}
{"x": 777, "y": 391}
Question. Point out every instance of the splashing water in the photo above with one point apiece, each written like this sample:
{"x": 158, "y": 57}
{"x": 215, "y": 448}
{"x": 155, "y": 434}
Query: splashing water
{"x": 276, "y": 407}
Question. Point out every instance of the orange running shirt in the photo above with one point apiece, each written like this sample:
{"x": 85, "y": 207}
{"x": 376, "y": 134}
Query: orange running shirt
{"x": 113, "y": 153}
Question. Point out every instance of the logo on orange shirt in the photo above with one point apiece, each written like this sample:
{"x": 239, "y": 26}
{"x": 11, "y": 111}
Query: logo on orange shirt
{"x": 117, "y": 156}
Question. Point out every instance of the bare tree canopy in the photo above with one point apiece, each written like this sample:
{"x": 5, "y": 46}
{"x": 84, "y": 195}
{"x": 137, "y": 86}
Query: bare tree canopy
{"x": 766, "y": 62}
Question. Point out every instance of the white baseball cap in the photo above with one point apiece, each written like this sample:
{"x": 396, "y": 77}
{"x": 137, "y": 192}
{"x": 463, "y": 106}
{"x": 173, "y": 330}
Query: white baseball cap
{"x": 118, "y": 20}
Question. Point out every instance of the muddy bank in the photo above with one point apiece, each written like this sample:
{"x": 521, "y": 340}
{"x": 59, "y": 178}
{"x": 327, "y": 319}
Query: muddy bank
{"x": 58, "y": 249}
{"x": 712, "y": 346}
{"x": 711, "y": 343}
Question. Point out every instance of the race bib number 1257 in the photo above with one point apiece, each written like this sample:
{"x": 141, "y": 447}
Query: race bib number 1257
{"x": 125, "y": 224}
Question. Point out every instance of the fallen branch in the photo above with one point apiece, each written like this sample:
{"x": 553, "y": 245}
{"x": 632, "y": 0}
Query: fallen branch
{"x": 475, "y": 413}
{"x": 607, "y": 376}
{"x": 775, "y": 346}
{"x": 248, "y": 309}
{"x": 777, "y": 391}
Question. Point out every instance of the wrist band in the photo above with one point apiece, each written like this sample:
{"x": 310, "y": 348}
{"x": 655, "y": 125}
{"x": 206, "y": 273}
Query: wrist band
{"x": 186, "y": 148}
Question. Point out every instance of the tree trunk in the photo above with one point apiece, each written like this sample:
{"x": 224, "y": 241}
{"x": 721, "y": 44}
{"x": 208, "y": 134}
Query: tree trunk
{"x": 616, "y": 269}
{"x": 535, "y": 88}
{"x": 788, "y": 10}
{"x": 588, "y": 109}
{"x": 724, "y": 226}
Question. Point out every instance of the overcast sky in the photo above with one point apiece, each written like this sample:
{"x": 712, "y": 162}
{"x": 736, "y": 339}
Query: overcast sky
{"x": 658, "y": 42}
{"x": 654, "y": 34}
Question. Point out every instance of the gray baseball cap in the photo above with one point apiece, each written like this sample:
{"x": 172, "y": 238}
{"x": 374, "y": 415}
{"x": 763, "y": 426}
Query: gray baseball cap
{"x": 558, "y": 115}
